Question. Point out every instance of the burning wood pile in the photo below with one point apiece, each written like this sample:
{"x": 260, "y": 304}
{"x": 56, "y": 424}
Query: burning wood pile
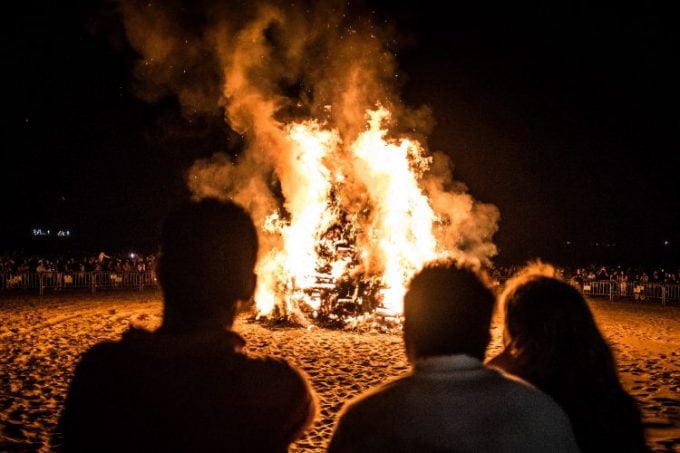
{"x": 352, "y": 225}
{"x": 339, "y": 293}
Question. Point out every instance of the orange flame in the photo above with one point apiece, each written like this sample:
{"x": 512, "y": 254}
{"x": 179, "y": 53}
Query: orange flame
{"x": 397, "y": 235}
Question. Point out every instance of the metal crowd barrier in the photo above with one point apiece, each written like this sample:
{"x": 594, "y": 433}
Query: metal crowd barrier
{"x": 664, "y": 292}
{"x": 93, "y": 281}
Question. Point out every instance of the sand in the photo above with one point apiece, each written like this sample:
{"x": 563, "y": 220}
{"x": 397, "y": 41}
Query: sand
{"x": 41, "y": 339}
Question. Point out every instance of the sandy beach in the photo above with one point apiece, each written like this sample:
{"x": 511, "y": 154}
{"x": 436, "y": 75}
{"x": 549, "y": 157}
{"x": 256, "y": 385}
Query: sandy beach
{"x": 41, "y": 339}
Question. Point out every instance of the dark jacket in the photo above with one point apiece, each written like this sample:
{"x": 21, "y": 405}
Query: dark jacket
{"x": 182, "y": 392}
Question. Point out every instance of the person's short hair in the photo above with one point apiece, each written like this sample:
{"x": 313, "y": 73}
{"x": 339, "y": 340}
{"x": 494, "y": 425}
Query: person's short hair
{"x": 208, "y": 253}
{"x": 448, "y": 310}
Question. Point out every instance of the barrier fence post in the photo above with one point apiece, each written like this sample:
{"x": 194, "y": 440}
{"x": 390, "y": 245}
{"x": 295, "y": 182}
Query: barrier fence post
{"x": 663, "y": 294}
{"x": 93, "y": 282}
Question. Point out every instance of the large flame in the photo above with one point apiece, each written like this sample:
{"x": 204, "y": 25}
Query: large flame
{"x": 401, "y": 230}
{"x": 396, "y": 224}
{"x": 333, "y": 167}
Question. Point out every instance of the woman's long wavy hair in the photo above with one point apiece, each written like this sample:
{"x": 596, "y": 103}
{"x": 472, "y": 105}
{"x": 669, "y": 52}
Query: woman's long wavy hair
{"x": 555, "y": 343}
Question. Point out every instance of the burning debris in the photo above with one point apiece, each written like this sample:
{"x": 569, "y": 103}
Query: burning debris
{"x": 334, "y": 170}
{"x": 338, "y": 293}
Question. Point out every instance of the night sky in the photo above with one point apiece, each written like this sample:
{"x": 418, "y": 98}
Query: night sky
{"x": 564, "y": 116}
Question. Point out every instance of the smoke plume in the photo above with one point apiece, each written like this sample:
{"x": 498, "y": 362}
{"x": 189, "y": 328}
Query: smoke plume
{"x": 271, "y": 65}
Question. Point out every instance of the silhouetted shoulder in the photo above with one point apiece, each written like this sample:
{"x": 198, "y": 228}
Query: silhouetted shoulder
{"x": 142, "y": 388}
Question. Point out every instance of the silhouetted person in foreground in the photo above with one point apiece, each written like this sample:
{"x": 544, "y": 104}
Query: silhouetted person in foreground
{"x": 451, "y": 401}
{"x": 188, "y": 386}
{"x": 552, "y": 341}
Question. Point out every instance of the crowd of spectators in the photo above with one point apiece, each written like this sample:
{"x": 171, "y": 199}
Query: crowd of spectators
{"x": 120, "y": 263}
{"x": 131, "y": 262}
{"x": 593, "y": 272}
{"x": 16, "y": 267}
{"x": 92, "y": 263}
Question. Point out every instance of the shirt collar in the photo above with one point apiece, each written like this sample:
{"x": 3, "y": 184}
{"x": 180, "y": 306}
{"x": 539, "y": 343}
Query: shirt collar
{"x": 445, "y": 363}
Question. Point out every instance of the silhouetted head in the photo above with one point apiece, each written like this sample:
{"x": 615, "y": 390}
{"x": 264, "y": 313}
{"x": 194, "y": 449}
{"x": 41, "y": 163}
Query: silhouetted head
{"x": 548, "y": 323}
{"x": 447, "y": 310}
{"x": 553, "y": 342}
{"x": 208, "y": 254}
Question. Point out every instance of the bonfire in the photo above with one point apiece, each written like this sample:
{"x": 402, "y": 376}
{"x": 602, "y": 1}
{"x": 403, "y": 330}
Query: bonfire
{"x": 333, "y": 167}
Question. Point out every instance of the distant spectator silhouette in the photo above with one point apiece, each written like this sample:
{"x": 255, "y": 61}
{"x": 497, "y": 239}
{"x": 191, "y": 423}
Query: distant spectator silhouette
{"x": 451, "y": 401}
{"x": 188, "y": 386}
{"x": 552, "y": 341}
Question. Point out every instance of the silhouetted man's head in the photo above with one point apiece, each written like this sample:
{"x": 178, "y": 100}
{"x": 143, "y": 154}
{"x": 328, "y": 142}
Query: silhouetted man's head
{"x": 447, "y": 310}
{"x": 208, "y": 254}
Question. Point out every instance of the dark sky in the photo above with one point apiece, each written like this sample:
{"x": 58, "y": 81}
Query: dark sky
{"x": 564, "y": 116}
